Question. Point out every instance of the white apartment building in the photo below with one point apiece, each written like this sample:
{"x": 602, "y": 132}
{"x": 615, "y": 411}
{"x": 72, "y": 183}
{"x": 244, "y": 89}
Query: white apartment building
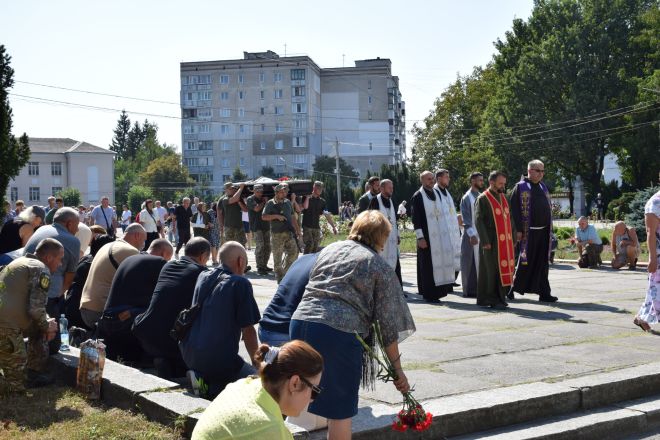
{"x": 283, "y": 112}
{"x": 57, "y": 163}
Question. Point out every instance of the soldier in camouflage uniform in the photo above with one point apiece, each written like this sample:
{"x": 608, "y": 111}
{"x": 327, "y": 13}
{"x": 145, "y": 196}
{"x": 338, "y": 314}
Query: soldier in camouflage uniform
{"x": 313, "y": 209}
{"x": 284, "y": 230}
{"x": 230, "y": 214}
{"x": 260, "y": 229}
{"x": 24, "y": 287}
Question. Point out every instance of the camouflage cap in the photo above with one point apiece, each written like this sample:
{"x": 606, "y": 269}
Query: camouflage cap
{"x": 258, "y": 187}
{"x": 228, "y": 185}
{"x": 319, "y": 184}
{"x": 281, "y": 186}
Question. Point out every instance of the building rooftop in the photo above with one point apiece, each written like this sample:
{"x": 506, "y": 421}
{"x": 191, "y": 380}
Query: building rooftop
{"x": 64, "y": 145}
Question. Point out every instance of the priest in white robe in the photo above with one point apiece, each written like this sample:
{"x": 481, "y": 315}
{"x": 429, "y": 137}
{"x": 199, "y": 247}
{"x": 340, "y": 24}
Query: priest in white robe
{"x": 383, "y": 202}
{"x": 438, "y": 237}
{"x": 470, "y": 239}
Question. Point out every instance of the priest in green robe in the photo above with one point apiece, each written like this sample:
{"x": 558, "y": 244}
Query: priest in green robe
{"x": 492, "y": 218}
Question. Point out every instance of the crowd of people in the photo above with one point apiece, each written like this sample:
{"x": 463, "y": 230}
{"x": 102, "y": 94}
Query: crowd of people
{"x": 181, "y": 316}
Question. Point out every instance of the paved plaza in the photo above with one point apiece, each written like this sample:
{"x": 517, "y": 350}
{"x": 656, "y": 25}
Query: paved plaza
{"x": 460, "y": 347}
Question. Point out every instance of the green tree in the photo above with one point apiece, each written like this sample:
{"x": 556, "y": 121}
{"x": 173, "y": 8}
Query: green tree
{"x": 120, "y": 139}
{"x": 635, "y": 218}
{"x": 136, "y": 195}
{"x": 70, "y": 197}
{"x": 324, "y": 171}
{"x": 14, "y": 153}
{"x": 133, "y": 141}
{"x": 267, "y": 171}
{"x": 165, "y": 176}
{"x": 238, "y": 175}
{"x": 405, "y": 181}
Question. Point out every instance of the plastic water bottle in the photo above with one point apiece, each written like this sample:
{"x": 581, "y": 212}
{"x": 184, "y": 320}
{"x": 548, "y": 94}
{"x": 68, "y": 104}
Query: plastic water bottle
{"x": 64, "y": 333}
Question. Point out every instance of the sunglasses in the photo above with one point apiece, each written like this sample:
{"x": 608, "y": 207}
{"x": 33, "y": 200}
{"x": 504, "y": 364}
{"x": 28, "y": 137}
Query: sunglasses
{"x": 316, "y": 390}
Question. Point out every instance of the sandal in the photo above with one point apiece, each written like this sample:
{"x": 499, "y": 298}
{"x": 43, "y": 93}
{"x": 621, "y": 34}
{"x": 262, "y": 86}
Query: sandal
{"x": 641, "y": 324}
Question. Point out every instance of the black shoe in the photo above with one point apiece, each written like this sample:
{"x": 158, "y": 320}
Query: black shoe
{"x": 510, "y": 296}
{"x": 36, "y": 379}
{"x": 499, "y": 306}
{"x": 269, "y": 269}
{"x": 465, "y": 295}
{"x": 633, "y": 266}
{"x": 262, "y": 272}
{"x": 433, "y": 300}
{"x": 548, "y": 298}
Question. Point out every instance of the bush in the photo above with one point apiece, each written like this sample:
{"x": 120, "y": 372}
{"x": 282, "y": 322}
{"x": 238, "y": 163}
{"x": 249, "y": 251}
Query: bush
{"x": 564, "y": 232}
{"x": 617, "y": 209}
{"x": 605, "y": 235}
{"x": 70, "y": 196}
{"x": 635, "y": 218}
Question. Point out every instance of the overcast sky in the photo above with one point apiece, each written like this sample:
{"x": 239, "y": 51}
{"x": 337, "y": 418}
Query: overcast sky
{"x": 133, "y": 49}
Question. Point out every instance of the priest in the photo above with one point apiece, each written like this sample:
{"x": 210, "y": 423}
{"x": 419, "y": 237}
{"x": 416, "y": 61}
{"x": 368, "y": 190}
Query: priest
{"x": 383, "y": 202}
{"x": 532, "y": 216}
{"x": 470, "y": 239}
{"x": 492, "y": 219}
{"x": 438, "y": 237}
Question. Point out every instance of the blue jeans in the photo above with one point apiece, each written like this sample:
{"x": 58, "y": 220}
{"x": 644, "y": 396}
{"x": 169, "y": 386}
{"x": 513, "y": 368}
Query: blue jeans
{"x": 274, "y": 339}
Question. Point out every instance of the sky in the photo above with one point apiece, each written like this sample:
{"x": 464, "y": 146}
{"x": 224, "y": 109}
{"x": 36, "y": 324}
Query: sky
{"x": 133, "y": 49}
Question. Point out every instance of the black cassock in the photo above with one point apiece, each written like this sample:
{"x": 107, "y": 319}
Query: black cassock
{"x": 425, "y": 282}
{"x": 533, "y": 276}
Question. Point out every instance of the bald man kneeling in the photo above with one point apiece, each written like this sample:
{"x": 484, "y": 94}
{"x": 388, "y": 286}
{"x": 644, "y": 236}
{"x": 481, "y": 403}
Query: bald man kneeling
{"x": 228, "y": 313}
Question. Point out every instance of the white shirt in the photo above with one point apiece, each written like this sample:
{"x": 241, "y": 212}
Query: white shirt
{"x": 162, "y": 213}
{"x": 148, "y": 221}
{"x": 126, "y": 217}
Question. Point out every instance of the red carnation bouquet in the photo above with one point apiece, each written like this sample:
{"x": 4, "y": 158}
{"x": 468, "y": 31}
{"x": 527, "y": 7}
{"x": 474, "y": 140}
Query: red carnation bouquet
{"x": 412, "y": 415}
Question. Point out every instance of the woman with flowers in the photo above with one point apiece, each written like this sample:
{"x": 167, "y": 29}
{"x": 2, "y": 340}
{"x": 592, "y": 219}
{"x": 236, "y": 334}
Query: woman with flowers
{"x": 350, "y": 288}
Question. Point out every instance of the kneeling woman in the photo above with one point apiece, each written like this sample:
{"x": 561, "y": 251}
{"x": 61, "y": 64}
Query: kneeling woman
{"x": 252, "y": 408}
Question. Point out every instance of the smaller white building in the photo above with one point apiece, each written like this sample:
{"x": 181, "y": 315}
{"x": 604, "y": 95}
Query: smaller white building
{"x": 58, "y": 163}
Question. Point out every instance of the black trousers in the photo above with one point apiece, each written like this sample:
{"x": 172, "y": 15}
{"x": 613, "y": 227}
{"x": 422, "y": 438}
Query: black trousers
{"x": 184, "y": 237}
{"x": 151, "y": 236}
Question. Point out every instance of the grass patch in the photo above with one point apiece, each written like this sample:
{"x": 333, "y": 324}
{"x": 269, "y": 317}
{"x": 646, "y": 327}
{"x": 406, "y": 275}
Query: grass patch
{"x": 58, "y": 412}
{"x": 419, "y": 366}
{"x": 408, "y": 240}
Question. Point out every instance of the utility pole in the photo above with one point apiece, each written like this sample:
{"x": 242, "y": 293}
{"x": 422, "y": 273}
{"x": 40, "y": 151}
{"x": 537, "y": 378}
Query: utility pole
{"x": 337, "y": 171}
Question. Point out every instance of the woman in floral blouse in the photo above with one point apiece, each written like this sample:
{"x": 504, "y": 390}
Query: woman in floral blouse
{"x": 350, "y": 287}
{"x": 649, "y": 313}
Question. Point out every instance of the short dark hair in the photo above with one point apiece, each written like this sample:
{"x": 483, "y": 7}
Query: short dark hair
{"x": 492, "y": 177}
{"x": 475, "y": 175}
{"x": 99, "y": 242}
{"x": 373, "y": 179}
{"x": 59, "y": 199}
{"x": 48, "y": 246}
{"x": 196, "y": 247}
{"x": 441, "y": 172}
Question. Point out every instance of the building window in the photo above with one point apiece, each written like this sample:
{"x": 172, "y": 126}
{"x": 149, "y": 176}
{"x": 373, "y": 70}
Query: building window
{"x": 14, "y": 193}
{"x": 300, "y": 123}
{"x": 264, "y": 162}
{"x": 224, "y": 129}
{"x": 189, "y": 113}
{"x": 242, "y": 161}
{"x": 262, "y": 77}
{"x": 262, "y": 145}
{"x": 241, "y": 94}
{"x": 224, "y": 79}
{"x": 279, "y": 144}
{"x": 298, "y": 90}
{"x": 204, "y": 96}
{"x": 277, "y": 76}
{"x": 225, "y": 113}
{"x": 224, "y": 96}
{"x": 34, "y": 194}
{"x": 263, "y": 127}
{"x": 297, "y": 74}
{"x": 263, "y": 110}
{"x": 226, "y": 178}
{"x": 242, "y": 145}
{"x": 262, "y": 94}
{"x": 196, "y": 79}
{"x": 278, "y": 94}
{"x": 299, "y": 141}
{"x": 33, "y": 169}
{"x": 369, "y": 84}
{"x": 279, "y": 128}
{"x": 204, "y": 113}
{"x": 191, "y": 145}
{"x": 191, "y": 161}
{"x": 56, "y": 168}
{"x": 369, "y": 99}
{"x": 241, "y": 112}
{"x": 300, "y": 159}
{"x": 205, "y": 128}
{"x": 226, "y": 163}
{"x": 226, "y": 146}
{"x": 205, "y": 145}
{"x": 206, "y": 161}
{"x": 299, "y": 107}
{"x": 371, "y": 115}
{"x": 240, "y": 78}
{"x": 241, "y": 129}
{"x": 371, "y": 146}
{"x": 188, "y": 129}
{"x": 279, "y": 110}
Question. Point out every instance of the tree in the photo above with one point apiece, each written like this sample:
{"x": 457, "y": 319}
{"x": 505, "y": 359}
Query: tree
{"x": 635, "y": 219}
{"x": 14, "y": 153}
{"x": 70, "y": 197}
{"x": 165, "y": 176}
{"x": 238, "y": 175}
{"x": 120, "y": 139}
{"x": 268, "y": 171}
{"x": 405, "y": 181}
{"x": 134, "y": 139}
{"x": 324, "y": 171}
{"x": 136, "y": 196}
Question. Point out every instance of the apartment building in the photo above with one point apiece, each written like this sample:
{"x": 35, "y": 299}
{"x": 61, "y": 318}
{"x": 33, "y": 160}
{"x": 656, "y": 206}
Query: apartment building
{"x": 282, "y": 112}
{"x": 57, "y": 163}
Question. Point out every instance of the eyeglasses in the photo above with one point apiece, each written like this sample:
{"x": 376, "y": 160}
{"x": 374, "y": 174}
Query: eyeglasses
{"x": 538, "y": 171}
{"x": 316, "y": 390}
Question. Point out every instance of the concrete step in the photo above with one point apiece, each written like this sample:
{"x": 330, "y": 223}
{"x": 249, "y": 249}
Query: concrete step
{"x": 613, "y": 422}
